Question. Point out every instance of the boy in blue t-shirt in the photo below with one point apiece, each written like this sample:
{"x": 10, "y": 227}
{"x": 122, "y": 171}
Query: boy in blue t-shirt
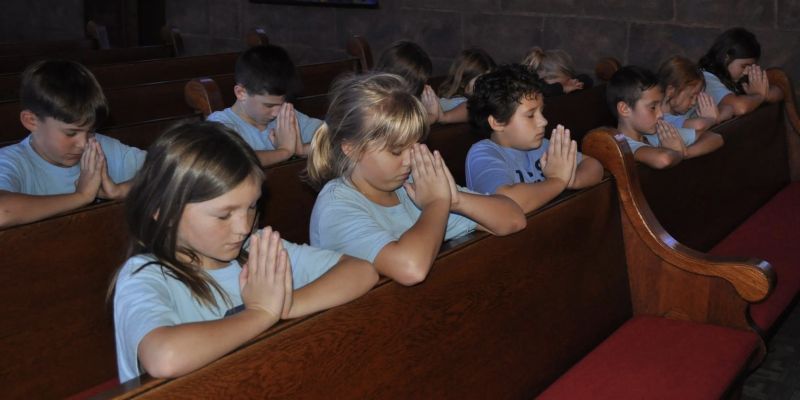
{"x": 62, "y": 165}
{"x": 265, "y": 75}
{"x": 634, "y": 96}
{"x": 517, "y": 161}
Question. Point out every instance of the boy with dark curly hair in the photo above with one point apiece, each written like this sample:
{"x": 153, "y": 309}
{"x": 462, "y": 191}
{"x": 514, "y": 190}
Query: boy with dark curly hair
{"x": 516, "y": 160}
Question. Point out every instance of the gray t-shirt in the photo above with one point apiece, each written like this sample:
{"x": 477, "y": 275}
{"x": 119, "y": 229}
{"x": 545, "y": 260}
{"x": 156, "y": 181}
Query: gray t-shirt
{"x": 150, "y": 299}
{"x": 490, "y": 165}
{"x": 344, "y": 220}
{"x": 689, "y": 136}
{"x": 259, "y": 140}
{"x": 715, "y": 88}
{"x": 22, "y": 170}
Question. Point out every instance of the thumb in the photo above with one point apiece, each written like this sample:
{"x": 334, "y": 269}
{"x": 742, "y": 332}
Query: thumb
{"x": 243, "y": 277}
{"x": 410, "y": 190}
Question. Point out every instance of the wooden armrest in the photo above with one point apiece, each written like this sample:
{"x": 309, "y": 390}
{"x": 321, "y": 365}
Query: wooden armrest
{"x": 780, "y": 79}
{"x": 666, "y": 277}
{"x": 358, "y": 47}
{"x": 256, "y": 37}
{"x": 171, "y": 36}
{"x": 99, "y": 34}
{"x": 203, "y": 95}
{"x": 606, "y": 67}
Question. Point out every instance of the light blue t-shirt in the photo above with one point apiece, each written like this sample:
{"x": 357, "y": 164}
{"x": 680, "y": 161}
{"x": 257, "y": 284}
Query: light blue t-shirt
{"x": 150, "y": 299}
{"x": 451, "y": 103}
{"x": 259, "y": 140}
{"x": 715, "y": 88}
{"x": 490, "y": 165}
{"x": 678, "y": 120}
{"x": 22, "y": 170}
{"x": 344, "y": 220}
{"x": 689, "y": 136}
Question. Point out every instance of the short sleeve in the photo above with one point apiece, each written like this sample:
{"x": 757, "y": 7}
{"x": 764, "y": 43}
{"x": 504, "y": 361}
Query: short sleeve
{"x": 688, "y": 135}
{"x": 486, "y": 169}
{"x": 348, "y": 227}
{"x": 309, "y": 263}
{"x": 635, "y": 145}
{"x": 141, "y": 304}
{"x": 123, "y": 160}
{"x": 308, "y": 126}
{"x": 451, "y": 103}
{"x": 715, "y": 88}
{"x": 10, "y": 179}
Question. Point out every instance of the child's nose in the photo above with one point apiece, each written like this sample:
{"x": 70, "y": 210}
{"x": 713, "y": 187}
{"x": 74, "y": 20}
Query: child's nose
{"x": 659, "y": 113}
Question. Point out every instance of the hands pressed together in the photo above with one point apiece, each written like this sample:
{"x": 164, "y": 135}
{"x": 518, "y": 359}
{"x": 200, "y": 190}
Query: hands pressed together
{"x": 266, "y": 278}
{"x": 560, "y": 159}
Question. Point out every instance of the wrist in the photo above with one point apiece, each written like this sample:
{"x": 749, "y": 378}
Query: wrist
{"x": 84, "y": 198}
{"x": 286, "y": 153}
{"x": 555, "y": 180}
{"x": 261, "y": 316}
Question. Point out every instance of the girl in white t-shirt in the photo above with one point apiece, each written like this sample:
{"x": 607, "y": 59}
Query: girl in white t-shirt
{"x": 199, "y": 282}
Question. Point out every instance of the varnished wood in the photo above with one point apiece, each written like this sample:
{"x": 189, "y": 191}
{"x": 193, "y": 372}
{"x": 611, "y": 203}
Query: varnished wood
{"x": 256, "y": 37}
{"x": 358, "y": 47}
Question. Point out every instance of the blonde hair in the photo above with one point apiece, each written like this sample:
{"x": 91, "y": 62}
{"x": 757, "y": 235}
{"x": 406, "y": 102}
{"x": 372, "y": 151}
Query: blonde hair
{"x": 372, "y": 111}
{"x": 469, "y": 64}
{"x": 550, "y": 64}
{"x": 679, "y": 72}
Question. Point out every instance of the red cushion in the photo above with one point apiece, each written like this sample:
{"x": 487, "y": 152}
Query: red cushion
{"x": 93, "y": 391}
{"x": 771, "y": 234}
{"x": 659, "y": 358}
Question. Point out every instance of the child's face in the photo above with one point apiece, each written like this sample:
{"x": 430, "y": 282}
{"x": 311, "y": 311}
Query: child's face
{"x": 737, "y": 66}
{"x": 382, "y": 170}
{"x": 684, "y": 100}
{"x": 260, "y": 109}
{"x": 216, "y": 229}
{"x": 59, "y": 143}
{"x": 525, "y": 129}
{"x": 645, "y": 115}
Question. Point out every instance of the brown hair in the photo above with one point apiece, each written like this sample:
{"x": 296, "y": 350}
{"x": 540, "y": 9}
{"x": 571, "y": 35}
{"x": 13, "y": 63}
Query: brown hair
{"x": 469, "y": 64}
{"x": 63, "y": 90}
{"x": 679, "y": 72}
{"x": 408, "y": 60}
{"x": 374, "y": 110}
{"x": 189, "y": 163}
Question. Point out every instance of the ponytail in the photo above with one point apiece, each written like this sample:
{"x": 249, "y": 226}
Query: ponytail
{"x": 319, "y": 166}
{"x": 534, "y": 58}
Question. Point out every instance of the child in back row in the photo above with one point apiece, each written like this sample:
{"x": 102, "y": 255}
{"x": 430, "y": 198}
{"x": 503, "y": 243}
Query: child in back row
{"x": 685, "y": 104}
{"x": 634, "y": 97}
{"x": 265, "y": 76}
{"x": 555, "y": 68}
{"x": 63, "y": 164}
{"x": 517, "y": 161}
{"x": 411, "y": 62}
{"x": 466, "y": 68}
{"x": 199, "y": 282}
{"x": 368, "y": 208}
{"x": 733, "y": 77}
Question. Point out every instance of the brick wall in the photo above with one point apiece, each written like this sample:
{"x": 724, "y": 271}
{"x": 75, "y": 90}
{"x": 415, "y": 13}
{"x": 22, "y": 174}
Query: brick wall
{"x": 635, "y": 31}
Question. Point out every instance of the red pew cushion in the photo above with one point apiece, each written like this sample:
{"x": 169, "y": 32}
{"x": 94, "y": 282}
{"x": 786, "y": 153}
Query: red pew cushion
{"x": 659, "y": 358}
{"x": 772, "y": 234}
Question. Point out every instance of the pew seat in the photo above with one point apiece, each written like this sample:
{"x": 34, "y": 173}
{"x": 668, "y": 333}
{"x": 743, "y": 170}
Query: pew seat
{"x": 771, "y": 234}
{"x": 659, "y": 358}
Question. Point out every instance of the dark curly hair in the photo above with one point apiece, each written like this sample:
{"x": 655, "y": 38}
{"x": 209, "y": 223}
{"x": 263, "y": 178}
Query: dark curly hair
{"x": 499, "y": 93}
{"x": 627, "y": 85}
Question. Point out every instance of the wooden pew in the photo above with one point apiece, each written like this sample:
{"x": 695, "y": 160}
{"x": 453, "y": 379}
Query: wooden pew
{"x": 492, "y": 320}
{"x": 57, "y": 331}
{"x": 171, "y": 47}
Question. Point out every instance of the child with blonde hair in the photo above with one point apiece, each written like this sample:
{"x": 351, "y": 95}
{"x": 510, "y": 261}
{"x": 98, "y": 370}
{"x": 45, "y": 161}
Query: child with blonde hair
{"x": 362, "y": 159}
{"x": 555, "y": 68}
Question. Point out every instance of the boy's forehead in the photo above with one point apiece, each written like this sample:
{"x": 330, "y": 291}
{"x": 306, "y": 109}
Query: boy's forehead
{"x": 530, "y": 101}
{"x": 73, "y": 126}
{"x": 269, "y": 98}
{"x": 652, "y": 94}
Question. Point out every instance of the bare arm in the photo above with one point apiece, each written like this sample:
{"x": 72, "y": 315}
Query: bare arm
{"x": 657, "y": 157}
{"x": 457, "y": 114}
{"x": 345, "y": 281}
{"x": 269, "y": 157}
{"x": 18, "y": 208}
{"x": 171, "y": 351}
{"x": 706, "y": 143}
{"x": 531, "y": 196}
{"x": 589, "y": 172}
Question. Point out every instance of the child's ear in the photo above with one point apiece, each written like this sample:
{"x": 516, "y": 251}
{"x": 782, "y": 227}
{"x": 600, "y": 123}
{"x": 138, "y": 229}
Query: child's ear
{"x": 240, "y": 92}
{"x": 29, "y": 120}
{"x": 347, "y": 148}
{"x": 623, "y": 109}
{"x": 495, "y": 124}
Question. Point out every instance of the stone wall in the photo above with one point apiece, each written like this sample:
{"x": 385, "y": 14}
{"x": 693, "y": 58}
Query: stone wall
{"x": 41, "y": 20}
{"x": 635, "y": 31}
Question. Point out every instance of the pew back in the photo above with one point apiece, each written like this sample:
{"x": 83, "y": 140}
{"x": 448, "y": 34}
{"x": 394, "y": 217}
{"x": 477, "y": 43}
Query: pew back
{"x": 57, "y": 335}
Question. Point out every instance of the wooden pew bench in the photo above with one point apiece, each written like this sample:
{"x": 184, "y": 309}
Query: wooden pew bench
{"x": 743, "y": 198}
{"x": 505, "y": 317}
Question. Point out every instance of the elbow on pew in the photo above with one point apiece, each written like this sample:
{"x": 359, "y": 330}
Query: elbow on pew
{"x": 410, "y": 272}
